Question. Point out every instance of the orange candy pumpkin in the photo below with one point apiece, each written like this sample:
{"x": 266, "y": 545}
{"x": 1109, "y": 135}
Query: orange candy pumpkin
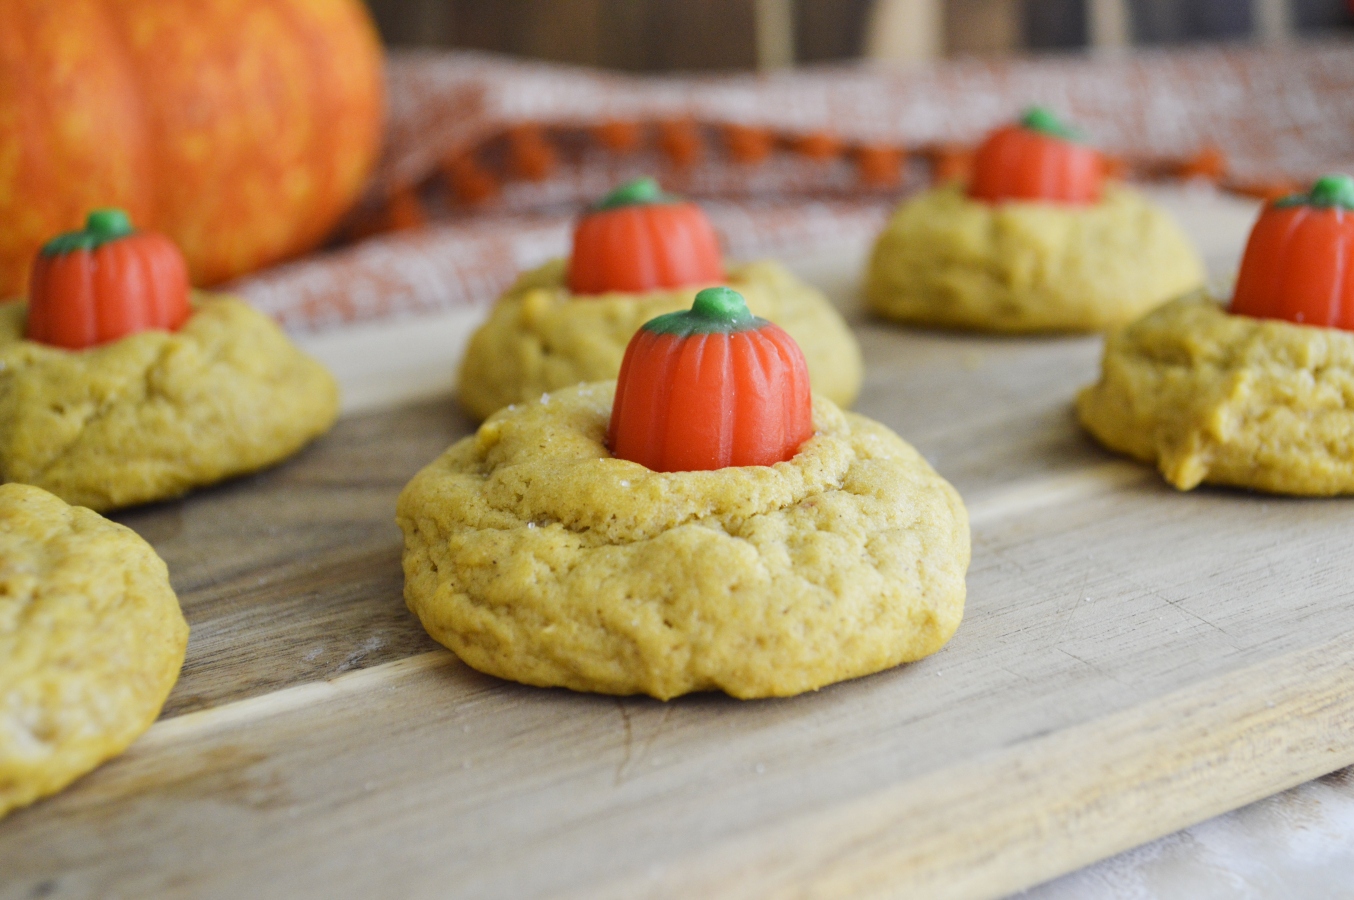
{"x": 1038, "y": 158}
{"x": 640, "y": 239}
{"x": 103, "y": 283}
{"x": 711, "y": 387}
{"x": 242, "y": 130}
{"x": 1299, "y": 260}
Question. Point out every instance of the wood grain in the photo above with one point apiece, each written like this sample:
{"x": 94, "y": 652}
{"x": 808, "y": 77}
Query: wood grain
{"x": 1132, "y": 660}
{"x": 304, "y": 559}
{"x": 1099, "y": 598}
{"x": 294, "y": 574}
{"x": 1096, "y": 783}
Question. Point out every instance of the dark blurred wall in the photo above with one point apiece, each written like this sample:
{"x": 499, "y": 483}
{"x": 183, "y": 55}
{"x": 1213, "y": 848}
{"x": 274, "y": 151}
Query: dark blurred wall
{"x": 983, "y": 27}
{"x": 830, "y": 29}
{"x": 1055, "y": 24}
{"x": 1170, "y": 21}
{"x": 706, "y": 35}
{"x": 636, "y": 35}
{"x": 1311, "y": 16}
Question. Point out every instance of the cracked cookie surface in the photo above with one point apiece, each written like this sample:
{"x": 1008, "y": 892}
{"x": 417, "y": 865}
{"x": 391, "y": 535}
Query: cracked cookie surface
{"x": 1227, "y": 399}
{"x": 946, "y": 260}
{"x": 539, "y": 338}
{"x": 155, "y": 414}
{"x": 536, "y": 556}
{"x": 91, "y": 641}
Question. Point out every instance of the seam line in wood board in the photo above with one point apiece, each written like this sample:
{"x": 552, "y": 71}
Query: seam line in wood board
{"x": 1195, "y": 753}
{"x": 300, "y": 696}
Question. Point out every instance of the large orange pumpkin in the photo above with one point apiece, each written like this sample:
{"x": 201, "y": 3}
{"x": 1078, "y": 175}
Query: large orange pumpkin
{"x": 241, "y": 128}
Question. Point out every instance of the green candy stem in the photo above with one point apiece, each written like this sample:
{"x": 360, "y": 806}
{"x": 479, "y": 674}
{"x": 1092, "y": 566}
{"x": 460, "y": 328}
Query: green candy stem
{"x": 721, "y": 304}
{"x": 639, "y": 192}
{"x": 101, "y": 226}
{"x": 1044, "y": 121}
{"x": 109, "y": 224}
{"x": 1329, "y": 191}
{"x": 716, "y": 310}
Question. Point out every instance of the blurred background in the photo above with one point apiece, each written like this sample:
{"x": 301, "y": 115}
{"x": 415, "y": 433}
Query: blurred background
{"x": 722, "y": 35}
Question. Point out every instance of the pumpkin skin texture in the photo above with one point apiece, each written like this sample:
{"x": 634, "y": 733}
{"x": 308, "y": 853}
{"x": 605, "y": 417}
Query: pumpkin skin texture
{"x": 711, "y": 388}
{"x": 242, "y": 129}
{"x": 105, "y": 283}
{"x": 1036, "y": 159}
{"x": 71, "y": 133}
{"x": 1297, "y": 261}
{"x": 640, "y": 239}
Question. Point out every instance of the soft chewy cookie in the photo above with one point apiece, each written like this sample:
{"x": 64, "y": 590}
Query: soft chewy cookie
{"x": 949, "y": 260}
{"x": 1209, "y": 396}
{"x": 153, "y": 414}
{"x": 91, "y": 641}
{"x": 536, "y": 556}
{"x": 539, "y": 337}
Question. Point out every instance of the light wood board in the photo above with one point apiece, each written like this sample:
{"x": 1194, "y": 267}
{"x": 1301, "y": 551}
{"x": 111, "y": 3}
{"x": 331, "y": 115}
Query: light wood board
{"x": 1132, "y": 660}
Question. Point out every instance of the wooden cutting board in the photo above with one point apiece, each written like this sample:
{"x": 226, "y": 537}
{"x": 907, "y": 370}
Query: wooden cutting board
{"x": 1132, "y": 660}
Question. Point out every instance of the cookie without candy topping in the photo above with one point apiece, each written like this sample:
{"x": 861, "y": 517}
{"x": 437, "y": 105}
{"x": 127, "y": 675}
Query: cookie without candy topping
{"x": 91, "y": 641}
{"x": 1228, "y": 399}
{"x": 536, "y": 556}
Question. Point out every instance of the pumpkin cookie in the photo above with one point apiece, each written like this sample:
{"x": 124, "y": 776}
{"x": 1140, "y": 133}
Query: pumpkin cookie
{"x": 132, "y": 394}
{"x": 1243, "y": 398}
{"x": 785, "y": 547}
{"x": 638, "y": 255}
{"x": 1035, "y": 242}
{"x": 91, "y": 641}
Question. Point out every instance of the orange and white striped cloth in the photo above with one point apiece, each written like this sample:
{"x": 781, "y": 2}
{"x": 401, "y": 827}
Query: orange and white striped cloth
{"x": 492, "y": 157}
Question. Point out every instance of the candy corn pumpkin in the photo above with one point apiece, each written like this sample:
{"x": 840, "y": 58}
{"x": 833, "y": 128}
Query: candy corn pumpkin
{"x": 711, "y": 387}
{"x": 1299, "y": 260}
{"x": 105, "y": 282}
{"x": 1038, "y": 158}
{"x": 640, "y": 239}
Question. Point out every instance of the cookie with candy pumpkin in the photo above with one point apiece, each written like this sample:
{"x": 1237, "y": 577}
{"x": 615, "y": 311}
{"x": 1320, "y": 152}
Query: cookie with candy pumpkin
{"x": 706, "y": 522}
{"x": 1259, "y": 394}
{"x": 119, "y": 385}
{"x": 637, "y": 254}
{"x": 1037, "y": 240}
